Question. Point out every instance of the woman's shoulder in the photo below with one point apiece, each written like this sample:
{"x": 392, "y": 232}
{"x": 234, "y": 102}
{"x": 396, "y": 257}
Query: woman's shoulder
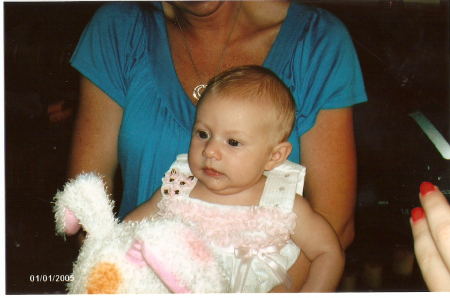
{"x": 120, "y": 12}
{"x": 117, "y": 9}
{"x": 312, "y": 25}
{"x": 313, "y": 16}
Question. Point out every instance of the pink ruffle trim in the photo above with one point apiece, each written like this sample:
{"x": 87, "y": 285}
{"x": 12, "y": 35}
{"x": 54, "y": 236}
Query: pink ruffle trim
{"x": 238, "y": 226}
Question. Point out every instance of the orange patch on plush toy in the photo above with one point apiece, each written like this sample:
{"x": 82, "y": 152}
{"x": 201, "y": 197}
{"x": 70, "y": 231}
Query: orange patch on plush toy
{"x": 105, "y": 279}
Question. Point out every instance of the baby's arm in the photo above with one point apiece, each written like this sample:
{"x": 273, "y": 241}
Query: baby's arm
{"x": 320, "y": 244}
{"x": 146, "y": 209}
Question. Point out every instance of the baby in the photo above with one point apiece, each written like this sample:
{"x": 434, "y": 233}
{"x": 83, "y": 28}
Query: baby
{"x": 238, "y": 188}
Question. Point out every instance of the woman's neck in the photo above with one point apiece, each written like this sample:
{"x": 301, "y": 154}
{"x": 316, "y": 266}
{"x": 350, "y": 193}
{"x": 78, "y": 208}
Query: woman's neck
{"x": 200, "y": 18}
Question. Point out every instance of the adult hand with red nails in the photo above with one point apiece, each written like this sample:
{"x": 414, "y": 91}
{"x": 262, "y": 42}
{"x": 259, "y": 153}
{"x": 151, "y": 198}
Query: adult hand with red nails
{"x": 431, "y": 231}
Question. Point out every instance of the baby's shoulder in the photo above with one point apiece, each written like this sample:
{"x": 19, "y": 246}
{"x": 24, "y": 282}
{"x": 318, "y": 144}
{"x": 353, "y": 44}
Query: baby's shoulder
{"x": 301, "y": 207}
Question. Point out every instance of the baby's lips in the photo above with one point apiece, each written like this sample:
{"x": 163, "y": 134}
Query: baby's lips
{"x": 212, "y": 172}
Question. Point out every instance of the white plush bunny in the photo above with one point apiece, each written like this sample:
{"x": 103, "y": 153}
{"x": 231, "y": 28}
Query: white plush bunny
{"x": 152, "y": 256}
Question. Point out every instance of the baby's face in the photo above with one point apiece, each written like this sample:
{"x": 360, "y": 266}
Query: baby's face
{"x": 230, "y": 144}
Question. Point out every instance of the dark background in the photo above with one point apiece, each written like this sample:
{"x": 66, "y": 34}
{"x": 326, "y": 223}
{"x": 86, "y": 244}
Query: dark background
{"x": 404, "y": 54}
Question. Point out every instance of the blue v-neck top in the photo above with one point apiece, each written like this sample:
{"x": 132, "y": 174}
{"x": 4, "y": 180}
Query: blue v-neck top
{"x": 125, "y": 52}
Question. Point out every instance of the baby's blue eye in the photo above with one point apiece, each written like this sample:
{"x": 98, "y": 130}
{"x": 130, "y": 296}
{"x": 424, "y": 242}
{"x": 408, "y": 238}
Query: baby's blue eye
{"x": 203, "y": 134}
{"x": 233, "y": 143}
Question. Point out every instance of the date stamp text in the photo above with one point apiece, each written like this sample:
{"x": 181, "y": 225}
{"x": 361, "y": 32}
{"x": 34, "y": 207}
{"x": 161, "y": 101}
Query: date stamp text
{"x": 51, "y": 278}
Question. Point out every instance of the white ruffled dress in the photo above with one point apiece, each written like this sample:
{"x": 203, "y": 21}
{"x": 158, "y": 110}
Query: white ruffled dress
{"x": 253, "y": 241}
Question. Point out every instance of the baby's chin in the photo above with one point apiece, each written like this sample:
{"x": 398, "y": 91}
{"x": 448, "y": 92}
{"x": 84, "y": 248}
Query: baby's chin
{"x": 218, "y": 186}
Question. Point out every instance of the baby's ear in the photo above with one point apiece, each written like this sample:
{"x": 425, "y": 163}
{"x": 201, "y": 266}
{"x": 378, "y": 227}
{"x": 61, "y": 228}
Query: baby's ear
{"x": 279, "y": 155}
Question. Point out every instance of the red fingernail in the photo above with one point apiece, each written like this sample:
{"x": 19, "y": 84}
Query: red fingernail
{"x": 417, "y": 214}
{"x": 426, "y": 188}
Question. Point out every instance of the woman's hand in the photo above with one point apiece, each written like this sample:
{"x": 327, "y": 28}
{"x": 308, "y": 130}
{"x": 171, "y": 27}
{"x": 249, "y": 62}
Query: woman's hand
{"x": 431, "y": 231}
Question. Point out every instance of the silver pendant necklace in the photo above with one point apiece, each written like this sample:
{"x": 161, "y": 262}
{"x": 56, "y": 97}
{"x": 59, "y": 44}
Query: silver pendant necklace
{"x": 200, "y": 88}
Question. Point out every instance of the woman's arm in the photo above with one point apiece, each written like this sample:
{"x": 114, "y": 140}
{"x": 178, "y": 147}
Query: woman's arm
{"x": 329, "y": 155}
{"x": 95, "y": 135}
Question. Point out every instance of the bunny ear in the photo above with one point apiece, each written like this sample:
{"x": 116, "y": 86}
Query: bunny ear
{"x": 72, "y": 224}
{"x": 66, "y": 221}
{"x": 167, "y": 276}
{"x": 84, "y": 199}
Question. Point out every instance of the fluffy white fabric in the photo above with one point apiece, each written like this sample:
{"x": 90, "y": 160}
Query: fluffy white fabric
{"x": 176, "y": 246}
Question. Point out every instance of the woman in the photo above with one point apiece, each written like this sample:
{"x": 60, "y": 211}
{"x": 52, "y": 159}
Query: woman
{"x": 143, "y": 68}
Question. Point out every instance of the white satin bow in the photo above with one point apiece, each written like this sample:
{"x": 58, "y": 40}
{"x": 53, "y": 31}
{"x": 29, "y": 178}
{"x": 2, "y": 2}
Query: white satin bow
{"x": 263, "y": 254}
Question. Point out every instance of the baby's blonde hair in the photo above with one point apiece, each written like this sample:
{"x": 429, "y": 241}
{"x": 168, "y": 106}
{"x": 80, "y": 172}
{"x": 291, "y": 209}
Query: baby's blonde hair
{"x": 260, "y": 85}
